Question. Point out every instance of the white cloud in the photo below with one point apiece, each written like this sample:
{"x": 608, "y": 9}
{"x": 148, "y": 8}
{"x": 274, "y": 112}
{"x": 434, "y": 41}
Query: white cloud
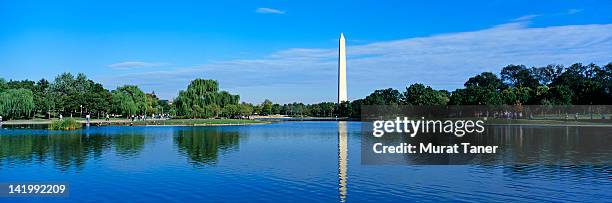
{"x": 134, "y": 64}
{"x": 526, "y": 17}
{"x": 442, "y": 61}
{"x": 269, "y": 11}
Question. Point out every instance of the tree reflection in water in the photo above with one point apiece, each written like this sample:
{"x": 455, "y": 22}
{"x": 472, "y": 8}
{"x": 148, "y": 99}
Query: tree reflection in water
{"x": 72, "y": 149}
{"x": 129, "y": 145}
{"x": 67, "y": 149}
{"x": 203, "y": 145}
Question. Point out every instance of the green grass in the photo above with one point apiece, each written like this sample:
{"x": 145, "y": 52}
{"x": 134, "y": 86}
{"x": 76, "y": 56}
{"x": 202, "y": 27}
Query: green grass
{"x": 66, "y": 124}
{"x": 542, "y": 122}
{"x": 99, "y": 119}
{"x": 199, "y": 122}
{"x": 549, "y": 122}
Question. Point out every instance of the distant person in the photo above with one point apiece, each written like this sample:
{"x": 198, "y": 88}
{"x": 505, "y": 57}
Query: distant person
{"x": 107, "y": 117}
{"x": 0, "y": 119}
{"x": 576, "y": 116}
{"x": 61, "y": 117}
{"x": 87, "y": 119}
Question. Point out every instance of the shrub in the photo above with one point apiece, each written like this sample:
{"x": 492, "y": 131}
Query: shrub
{"x": 66, "y": 124}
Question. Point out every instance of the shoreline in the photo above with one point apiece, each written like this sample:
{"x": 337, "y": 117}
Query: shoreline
{"x": 551, "y": 125}
{"x": 151, "y": 122}
{"x": 241, "y": 122}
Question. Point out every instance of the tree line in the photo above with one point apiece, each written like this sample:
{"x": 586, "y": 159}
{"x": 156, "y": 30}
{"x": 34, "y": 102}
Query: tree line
{"x": 69, "y": 95}
{"x": 577, "y": 84}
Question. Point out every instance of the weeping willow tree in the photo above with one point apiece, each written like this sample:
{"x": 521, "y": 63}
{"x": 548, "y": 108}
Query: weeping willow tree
{"x": 16, "y": 103}
{"x": 202, "y": 99}
{"x": 129, "y": 100}
{"x": 224, "y": 98}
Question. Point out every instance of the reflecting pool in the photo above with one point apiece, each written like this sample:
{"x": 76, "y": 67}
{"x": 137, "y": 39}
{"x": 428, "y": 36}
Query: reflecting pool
{"x": 315, "y": 161}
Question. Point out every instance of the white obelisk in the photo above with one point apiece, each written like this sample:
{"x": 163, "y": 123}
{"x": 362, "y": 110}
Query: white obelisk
{"x": 342, "y": 70}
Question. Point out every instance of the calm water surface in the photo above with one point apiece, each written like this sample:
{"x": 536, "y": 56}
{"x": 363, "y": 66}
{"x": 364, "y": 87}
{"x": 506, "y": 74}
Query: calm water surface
{"x": 280, "y": 162}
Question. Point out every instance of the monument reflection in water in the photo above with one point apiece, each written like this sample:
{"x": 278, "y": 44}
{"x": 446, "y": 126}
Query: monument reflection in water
{"x": 342, "y": 159}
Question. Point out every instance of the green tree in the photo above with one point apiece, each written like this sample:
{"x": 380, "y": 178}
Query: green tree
{"x": 197, "y": 111}
{"x": 97, "y": 99}
{"x": 419, "y": 94}
{"x": 356, "y": 108}
{"x": 485, "y": 80}
{"x": 583, "y": 83}
{"x": 42, "y": 99}
{"x": 516, "y": 95}
{"x": 604, "y": 76}
{"x": 184, "y": 105}
{"x": 153, "y": 104}
{"x": 518, "y": 76}
{"x": 383, "y": 97}
{"x": 276, "y": 109}
{"x": 560, "y": 95}
{"x": 205, "y": 95}
{"x": 483, "y": 89}
{"x": 545, "y": 75}
{"x": 16, "y": 103}
{"x": 230, "y": 111}
{"x": 225, "y": 98}
{"x": 69, "y": 92}
{"x": 266, "y": 107}
{"x": 211, "y": 110}
{"x": 23, "y": 84}
{"x": 3, "y": 85}
{"x": 509, "y": 96}
{"x": 129, "y": 100}
{"x": 164, "y": 106}
{"x": 345, "y": 109}
{"x": 541, "y": 94}
{"x": 246, "y": 109}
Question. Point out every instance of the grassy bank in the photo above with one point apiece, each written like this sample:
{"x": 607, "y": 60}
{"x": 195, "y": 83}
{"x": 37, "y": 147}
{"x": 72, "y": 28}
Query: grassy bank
{"x": 70, "y": 123}
{"x": 194, "y": 122}
{"x": 569, "y": 122}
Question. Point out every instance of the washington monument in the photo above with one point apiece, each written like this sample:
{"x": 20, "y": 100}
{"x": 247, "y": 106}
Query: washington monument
{"x": 342, "y": 70}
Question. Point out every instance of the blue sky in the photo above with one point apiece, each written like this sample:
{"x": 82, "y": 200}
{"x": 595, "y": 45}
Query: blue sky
{"x": 286, "y": 50}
